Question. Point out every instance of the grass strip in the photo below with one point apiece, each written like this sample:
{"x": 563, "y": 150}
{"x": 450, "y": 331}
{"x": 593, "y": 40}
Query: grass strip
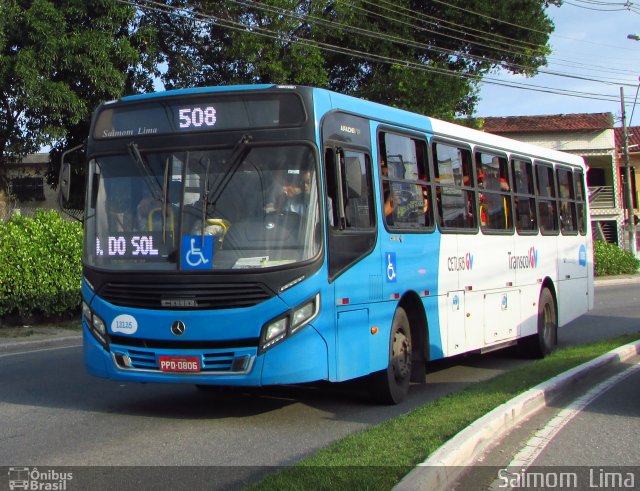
{"x": 378, "y": 457}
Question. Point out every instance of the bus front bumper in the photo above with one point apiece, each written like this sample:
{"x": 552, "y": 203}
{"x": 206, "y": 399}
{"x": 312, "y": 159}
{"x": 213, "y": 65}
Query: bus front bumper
{"x": 300, "y": 358}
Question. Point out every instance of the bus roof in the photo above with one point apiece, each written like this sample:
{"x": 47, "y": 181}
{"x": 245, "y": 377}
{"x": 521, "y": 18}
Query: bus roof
{"x": 388, "y": 115}
{"x": 196, "y": 90}
{"x": 407, "y": 119}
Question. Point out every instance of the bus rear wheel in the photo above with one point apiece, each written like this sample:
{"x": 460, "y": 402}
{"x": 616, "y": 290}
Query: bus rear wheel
{"x": 391, "y": 385}
{"x": 544, "y": 342}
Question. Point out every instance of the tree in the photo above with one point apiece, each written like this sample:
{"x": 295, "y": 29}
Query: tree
{"x": 58, "y": 60}
{"x": 237, "y": 44}
{"x": 425, "y": 56}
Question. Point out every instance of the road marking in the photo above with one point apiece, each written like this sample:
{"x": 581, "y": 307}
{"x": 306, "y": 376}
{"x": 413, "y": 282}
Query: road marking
{"x": 536, "y": 444}
{"x": 4, "y": 355}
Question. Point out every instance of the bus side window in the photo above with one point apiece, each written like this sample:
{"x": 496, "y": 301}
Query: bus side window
{"x": 524, "y": 196}
{"x": 349, "y": 203}
{"x": 494, "y": 197}
{"x": 578, "y": 177}
{"x": 566, "y": 193}
{"x": 455, "y": 194}
{"x": 356, "y": 172}
{"x": 547, "y": 204}
{"x": 332, "y": 199}
{"x": 406, "y": 187}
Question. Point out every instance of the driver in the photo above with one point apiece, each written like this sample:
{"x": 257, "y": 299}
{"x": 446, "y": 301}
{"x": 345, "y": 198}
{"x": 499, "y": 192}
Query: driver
{"x": 289, "y": 194}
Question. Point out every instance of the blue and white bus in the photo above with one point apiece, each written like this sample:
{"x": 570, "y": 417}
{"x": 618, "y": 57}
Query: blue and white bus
{"x": 264, "y": 234}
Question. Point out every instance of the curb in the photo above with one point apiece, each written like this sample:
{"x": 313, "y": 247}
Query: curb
{"x": 443, "y": 467}
{"x": 616, "y": 280}
{"x": 65, "y": 341}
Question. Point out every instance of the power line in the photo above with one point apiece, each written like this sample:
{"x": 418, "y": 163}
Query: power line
{"x": 412, "y": 14}
{"x": 415, "y": 44}
{"x": 550, "y": 58}
{"x": 606, "y": 7}
{"x": 234, "y": 25}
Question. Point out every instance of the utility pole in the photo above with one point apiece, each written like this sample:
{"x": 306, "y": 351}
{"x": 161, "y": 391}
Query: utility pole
{"x": 630, "y": 225}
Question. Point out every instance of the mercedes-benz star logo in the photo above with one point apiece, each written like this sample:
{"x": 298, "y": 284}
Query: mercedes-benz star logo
{"x": 178, "y": 328}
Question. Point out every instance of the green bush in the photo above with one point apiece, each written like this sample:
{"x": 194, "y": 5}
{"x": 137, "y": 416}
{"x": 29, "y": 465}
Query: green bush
{"x": 609, "y": 259}
{"x": 40, "y": 265}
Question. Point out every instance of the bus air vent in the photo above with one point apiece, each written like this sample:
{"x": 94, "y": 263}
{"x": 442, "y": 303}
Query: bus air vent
{"x": 168, "y": 296}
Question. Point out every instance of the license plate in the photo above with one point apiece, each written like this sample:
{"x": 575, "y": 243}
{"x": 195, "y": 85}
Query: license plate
{"x": 179, "y": 363}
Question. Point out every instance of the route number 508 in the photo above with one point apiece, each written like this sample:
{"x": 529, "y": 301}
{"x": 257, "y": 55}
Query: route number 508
{"x": 197, "y": 117}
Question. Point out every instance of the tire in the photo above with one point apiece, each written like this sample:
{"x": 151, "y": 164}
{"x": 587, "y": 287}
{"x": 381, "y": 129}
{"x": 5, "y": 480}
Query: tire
{"x": 545, "y": 341}
{"x": 391, "y": 385}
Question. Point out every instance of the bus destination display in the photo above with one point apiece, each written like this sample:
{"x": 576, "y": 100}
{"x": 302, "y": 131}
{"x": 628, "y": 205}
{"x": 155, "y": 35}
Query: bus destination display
{"x": 133, "y": 245}
{"x": 196, "y": 117}
{"x": 152, "y": 118}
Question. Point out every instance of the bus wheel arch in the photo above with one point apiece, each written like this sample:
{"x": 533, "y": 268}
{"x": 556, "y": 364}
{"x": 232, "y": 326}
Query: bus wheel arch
{"x": 412, "y": 304}
{"x": 406, "y": 355}
{"x": 391, "y": 384}
{"x": 545, "y": 340}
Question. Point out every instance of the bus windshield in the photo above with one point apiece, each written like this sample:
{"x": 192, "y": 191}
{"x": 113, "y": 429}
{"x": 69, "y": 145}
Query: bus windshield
{"x": 206, "y": 209}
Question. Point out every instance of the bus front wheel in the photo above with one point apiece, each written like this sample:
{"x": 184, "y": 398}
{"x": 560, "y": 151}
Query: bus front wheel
{"x": 391, "y": 385}
{"x": 544, "y": 342}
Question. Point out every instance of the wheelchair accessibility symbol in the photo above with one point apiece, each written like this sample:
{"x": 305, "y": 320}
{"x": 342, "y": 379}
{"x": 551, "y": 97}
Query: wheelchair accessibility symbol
{"x": 196, "y": 252}
{"x": 391, "y": 266}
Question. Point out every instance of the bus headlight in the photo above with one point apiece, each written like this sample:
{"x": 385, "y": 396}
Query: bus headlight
{"x": 302, "y": 315}
{"x": 275, "y": 332}
{"x": 281, "y": 327}
{"x": 86, "y": 313}
{"x": 96, "y": 324}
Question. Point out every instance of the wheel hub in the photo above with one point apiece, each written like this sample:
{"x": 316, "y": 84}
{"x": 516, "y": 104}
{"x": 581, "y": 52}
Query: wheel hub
{"x": 401, "y": 355}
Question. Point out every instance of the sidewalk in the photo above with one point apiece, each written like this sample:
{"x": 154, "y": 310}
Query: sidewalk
{"x": 14, "y": 339}
{"x": 446, "y": 465}
{"x": 617, "y": 280}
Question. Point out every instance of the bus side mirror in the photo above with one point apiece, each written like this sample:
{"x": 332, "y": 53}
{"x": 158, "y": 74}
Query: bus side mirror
{"x": 65, "y": 181}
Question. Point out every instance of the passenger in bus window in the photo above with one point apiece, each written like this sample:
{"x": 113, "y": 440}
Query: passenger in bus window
{"x": 493, "y": 206}
{"x": 425, "y": 192}
{"x": 425, "y": 199}
{"x": 386, "y": 192}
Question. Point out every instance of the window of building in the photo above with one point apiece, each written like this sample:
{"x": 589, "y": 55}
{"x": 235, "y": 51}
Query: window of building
{"x": 29, "y": 188}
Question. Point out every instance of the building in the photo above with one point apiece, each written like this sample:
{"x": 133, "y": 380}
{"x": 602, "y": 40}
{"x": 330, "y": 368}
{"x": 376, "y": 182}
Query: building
{"x": 28, "y": 186}
{"x": 633, "y": 135}
{"x": 593, "y": 137}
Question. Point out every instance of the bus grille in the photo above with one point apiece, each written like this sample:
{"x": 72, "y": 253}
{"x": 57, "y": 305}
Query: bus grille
{"x": 212, "y": 362}
{"x": 167, "y": 296}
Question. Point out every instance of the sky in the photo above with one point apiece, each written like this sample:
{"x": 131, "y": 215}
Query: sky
{"x": 590, "y": 40}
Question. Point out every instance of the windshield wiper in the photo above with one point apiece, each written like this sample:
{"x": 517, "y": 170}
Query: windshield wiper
{"x": 211, "y": 196}
{"x": 205, "y": 203}
{"x": 152, "y": 181}
{"x": 165, "y": 201}
{"x": 237, "y": 154}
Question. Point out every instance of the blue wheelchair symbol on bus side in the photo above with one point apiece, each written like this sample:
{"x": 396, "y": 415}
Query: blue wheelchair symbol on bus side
{"x": 196, "y": 253}
{"x": 390, "y": 266}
